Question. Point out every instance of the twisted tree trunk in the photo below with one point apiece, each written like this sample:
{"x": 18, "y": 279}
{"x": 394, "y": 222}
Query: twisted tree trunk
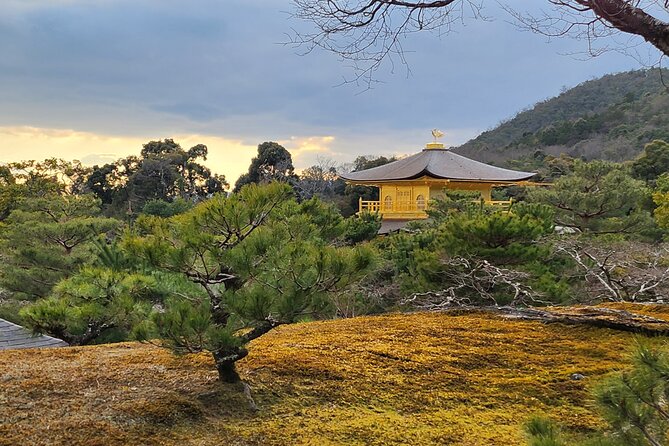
{"x": 225, "y": 363}
{"x": 227, "y": 357}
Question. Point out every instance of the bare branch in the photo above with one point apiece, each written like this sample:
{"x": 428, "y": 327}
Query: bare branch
{"x": 630, "y": 273}
{"x": 366, "y": 33}
{"x": 475, "y": 282}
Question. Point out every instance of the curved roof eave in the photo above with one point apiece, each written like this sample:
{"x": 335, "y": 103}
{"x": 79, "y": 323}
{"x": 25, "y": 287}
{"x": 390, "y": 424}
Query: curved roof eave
{"x": 438, "y": 164}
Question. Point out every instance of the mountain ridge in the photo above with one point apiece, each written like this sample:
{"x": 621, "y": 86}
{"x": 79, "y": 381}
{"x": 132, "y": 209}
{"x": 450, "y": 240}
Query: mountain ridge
{"x": 610, "y": 118}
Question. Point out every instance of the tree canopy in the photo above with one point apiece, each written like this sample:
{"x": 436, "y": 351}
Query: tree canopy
{"x": 45, "y": 240}
{"x": 273, "y": 163}
{"x": 653, "y": 162}
{"x": 163, "y": 171}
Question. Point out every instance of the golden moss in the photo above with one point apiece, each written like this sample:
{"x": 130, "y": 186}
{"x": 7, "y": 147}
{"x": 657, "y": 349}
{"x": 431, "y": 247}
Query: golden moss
{"x": 419, "y": 379}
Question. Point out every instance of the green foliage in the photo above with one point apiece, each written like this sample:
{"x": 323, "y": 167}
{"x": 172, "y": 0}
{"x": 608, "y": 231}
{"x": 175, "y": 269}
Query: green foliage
{"x": 542, "y": 432}
{"x": 47, "y": 239}
{"x": 661, "y": 200}
{"x": 162, "y": 208}
{"x": 362, "y": 227}
{"x": 31, "y": 179}
{"x": 401, "y": 248}
{"x": 501, "y": 237}
{"x": 633, "y": 402}
{"x": 549, "y": 277}
{"x": 262, "y": 258}
{"x": 111, "y": 256}
{"x": 197, "y": 242}
{"x": 548, "y": 168}
{"x": 598, "y": 197}
{"x": 96, "y": 304}
{"x": 473, "y": 232}
{"x": 10, "y": 309}
{"x": 185, "y": 326}
{"x": 653, "y": 162}
{"x": 164, "y": 172}
{"x": 452, "y": 202}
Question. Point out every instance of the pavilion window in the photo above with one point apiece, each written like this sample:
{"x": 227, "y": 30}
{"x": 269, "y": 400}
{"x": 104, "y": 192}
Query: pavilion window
{"x": 420, "y": 203}
{"x": 404, "y": 200}
{"x": 388, "y": 203}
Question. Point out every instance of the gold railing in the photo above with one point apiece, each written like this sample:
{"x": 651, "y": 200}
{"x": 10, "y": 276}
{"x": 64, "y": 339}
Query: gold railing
{"x": 504, "y": 204}
{"x": 391, "y": 207}
{"x": 369, "y": 206}
{"x": 412, "y": 207}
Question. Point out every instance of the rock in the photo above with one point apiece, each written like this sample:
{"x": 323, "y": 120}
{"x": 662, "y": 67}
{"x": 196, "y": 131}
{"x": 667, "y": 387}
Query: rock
{"x": 576, "y": 377}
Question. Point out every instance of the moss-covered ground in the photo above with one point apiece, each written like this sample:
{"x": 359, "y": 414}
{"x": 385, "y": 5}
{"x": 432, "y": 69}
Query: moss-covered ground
{"x": 418, "y": 379}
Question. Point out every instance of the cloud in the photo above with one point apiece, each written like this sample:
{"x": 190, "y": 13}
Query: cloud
{"x": 122, "y": 72}
{"x": 215, "y": 61}
{"x": 307, "y": 151}
{"x": 98, "y": 159}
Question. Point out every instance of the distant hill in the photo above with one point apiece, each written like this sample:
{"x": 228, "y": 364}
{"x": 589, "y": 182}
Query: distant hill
{"x": 611, "y": 118}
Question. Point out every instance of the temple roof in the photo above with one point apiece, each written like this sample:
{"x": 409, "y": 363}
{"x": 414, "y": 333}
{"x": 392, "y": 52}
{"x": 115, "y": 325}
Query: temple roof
{"x": 14, "y": 336}
{"x": 437, "y": 163}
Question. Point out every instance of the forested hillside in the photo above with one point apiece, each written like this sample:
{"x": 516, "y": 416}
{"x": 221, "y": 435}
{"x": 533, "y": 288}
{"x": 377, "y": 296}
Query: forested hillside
{"x": 609, "y": 118}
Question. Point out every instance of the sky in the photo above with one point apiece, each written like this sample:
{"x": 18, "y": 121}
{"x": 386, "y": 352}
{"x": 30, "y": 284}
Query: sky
{"x": 95, "y": 79}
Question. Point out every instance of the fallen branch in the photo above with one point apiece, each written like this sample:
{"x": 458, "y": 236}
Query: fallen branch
{"x": 599, "y": 317}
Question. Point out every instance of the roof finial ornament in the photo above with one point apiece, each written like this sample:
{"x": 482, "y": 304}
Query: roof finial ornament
{"x": 436, "y": 133}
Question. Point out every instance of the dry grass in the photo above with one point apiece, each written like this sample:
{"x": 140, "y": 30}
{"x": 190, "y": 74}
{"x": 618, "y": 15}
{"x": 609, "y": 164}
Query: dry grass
{"x": 419, "y": 379}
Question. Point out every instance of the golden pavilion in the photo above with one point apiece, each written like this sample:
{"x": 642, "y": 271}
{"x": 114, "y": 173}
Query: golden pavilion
{"x": 406, "y": 186}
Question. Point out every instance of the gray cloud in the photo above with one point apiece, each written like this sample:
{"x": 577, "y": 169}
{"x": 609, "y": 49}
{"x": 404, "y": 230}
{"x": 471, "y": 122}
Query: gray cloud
{"x": 211, "y": 66}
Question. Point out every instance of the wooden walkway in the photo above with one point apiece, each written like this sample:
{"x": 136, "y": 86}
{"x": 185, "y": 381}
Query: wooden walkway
{"x": 14, "y": 336}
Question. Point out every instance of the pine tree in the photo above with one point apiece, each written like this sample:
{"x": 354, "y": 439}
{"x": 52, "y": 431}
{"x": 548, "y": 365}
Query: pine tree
{"x": 263, "y": 260}
{"x": 48, "y": 239}
{"x": 598, "y": 197}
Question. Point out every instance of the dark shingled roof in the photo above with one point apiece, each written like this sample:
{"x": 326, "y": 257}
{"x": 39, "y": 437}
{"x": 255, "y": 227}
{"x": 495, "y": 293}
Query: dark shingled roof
{"x": 14, "y": 336}
{"x": 390, "y": 226}
{"x": 437, "y": 163}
